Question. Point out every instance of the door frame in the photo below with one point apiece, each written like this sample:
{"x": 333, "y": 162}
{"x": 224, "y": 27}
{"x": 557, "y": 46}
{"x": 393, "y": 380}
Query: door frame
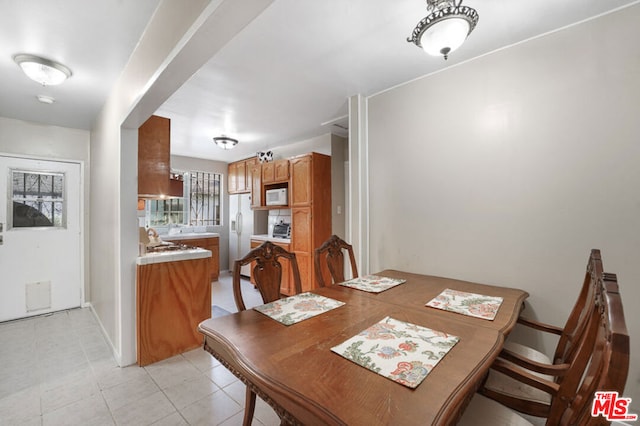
{"x": 81, "y": 218}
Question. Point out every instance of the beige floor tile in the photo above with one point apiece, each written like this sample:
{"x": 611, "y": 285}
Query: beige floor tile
{"x": 172, "y": 371}
{"x": 190, "y": 391}
{"x": 67, "y": 390}
{"x": 144, "y": 411}
{"x": 58, "y": 369}
{"x": 221, "y": 376}
{"x": 211, "y": 410}
{"x": 201, "y": 359}
{"x": 140, "y": 387}
{"x": 87, "y": 411}
{"x": 20, "y": 406}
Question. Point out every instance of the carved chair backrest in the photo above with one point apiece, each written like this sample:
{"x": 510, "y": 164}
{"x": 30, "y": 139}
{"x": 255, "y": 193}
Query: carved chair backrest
{"x": 331, "y": 251}
{"x": 578, "y": 319}
{"x": 607, "y": 350}
{"x": 267, "y": 272}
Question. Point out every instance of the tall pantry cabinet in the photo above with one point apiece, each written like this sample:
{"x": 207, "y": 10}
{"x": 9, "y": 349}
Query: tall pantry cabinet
{"x": 310, "y": 202}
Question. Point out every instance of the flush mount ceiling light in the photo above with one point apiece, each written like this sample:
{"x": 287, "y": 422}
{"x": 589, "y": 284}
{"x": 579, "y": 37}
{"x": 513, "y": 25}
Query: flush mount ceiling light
{"x": 44, "y": 71}
{"x": 445, "y": 28}
{"x": 225, "y": 142}
{"x": 45, "y": 99}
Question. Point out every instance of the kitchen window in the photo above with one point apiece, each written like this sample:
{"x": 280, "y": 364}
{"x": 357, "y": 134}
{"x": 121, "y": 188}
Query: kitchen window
{"x": 200, "y": 206}
{"x": 204, "y": 195}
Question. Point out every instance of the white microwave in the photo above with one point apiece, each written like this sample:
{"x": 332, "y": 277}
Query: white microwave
{"x": 276, "y": 197}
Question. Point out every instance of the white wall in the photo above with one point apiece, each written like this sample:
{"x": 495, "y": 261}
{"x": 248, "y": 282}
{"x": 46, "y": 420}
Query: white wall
{"x": 114, "y": 174}
{"x": 54, "y": 143}
{"x": 179, "y": 39}
{"x": 509, "y": 168}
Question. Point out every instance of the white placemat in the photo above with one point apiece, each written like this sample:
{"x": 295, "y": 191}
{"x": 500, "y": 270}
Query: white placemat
{"x": 291, "y": 310}
{"x": 398, "y": 350}
{"x": 471, "y": 304}
{"x": 373, "y": 283}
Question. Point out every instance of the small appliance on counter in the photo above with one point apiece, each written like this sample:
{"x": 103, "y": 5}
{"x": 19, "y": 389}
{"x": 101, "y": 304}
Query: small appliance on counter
{"x": 282, "y": 230}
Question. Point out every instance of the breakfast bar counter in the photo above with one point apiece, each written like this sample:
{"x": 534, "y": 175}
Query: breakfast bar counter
{"x": 173, "y": 295}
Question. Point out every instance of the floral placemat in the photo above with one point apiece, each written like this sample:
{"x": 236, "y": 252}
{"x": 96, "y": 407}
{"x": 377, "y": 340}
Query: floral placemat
{"x": 291, "y": 310}
{"x": 398, "y": 350}
{"x": 472, "y": 304}
{"x": 373, "y": 283}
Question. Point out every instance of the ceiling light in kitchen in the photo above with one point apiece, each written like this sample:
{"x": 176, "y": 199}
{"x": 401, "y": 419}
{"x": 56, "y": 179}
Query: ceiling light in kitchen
{"x": 45, "y": 99}
{"x": 44, "y": 71}
{"x": 225, "y": 142}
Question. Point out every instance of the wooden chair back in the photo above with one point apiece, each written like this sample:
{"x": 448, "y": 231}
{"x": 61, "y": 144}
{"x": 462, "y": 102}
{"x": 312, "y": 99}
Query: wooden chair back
{"x": 267, "y": 272}
{"x": 331, "y": 251}
{"x": 579, "y": 317}
{"x": 601, "y": 363}
{"x": 609, "y": 364}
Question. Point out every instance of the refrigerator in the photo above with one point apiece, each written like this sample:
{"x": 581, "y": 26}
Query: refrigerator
{"x": 243, "y": 223}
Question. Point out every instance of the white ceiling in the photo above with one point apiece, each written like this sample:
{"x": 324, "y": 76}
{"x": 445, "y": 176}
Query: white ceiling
{"x": 286, "y": 77}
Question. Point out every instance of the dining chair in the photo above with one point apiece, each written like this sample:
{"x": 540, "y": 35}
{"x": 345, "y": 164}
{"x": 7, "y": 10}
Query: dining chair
{"x": 523, "y": 397}
{"x": 605, "y": 353}
{"x": 267, "y": 273}
{"x": 331, "y": 251}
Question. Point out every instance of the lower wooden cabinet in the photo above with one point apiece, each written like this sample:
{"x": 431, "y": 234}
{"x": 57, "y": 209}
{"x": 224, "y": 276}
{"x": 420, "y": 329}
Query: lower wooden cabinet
{"x": 211, "y": 244}
{"x": 172, "y": 298}
{"x": 286, "y": 283}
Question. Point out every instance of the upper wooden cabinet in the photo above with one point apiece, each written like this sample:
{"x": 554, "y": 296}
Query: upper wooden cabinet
{"x": 275, "y": 171}
{"x": 301, "y": 180}
{"x": 255, "y": 172}
{"x": 239, "y": 176}
{"x": 154, "y": 160}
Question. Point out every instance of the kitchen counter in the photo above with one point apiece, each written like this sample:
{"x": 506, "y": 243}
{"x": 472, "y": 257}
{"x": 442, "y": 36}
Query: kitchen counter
{"x": 173, "y": 256}
{"x": 266, "y": 237}
{"x": 189, "y": 235}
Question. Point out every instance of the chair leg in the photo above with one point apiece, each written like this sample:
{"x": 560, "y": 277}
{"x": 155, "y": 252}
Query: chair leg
{"x": 249, "y": 407}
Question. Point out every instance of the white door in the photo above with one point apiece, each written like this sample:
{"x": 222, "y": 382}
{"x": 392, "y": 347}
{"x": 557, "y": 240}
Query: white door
{"x": 40, "y": 247}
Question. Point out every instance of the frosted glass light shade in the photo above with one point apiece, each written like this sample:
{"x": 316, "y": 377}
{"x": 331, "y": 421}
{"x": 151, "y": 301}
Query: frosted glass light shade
{"x": 445, "y": 28}
{"x": 445, "y": 36}
{"x": 41, "y": 70}
{"x": 225, "y": 142}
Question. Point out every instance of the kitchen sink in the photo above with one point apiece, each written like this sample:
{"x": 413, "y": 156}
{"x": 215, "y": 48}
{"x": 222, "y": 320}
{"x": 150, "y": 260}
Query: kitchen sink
{"x": 168, "y": 247}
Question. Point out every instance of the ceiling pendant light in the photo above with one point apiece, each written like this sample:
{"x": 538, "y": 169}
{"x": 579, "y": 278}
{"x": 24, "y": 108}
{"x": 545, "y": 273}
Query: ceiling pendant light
{"x": 445, "y": 28}
{"x": 44, "y": 71}
{"x": 225, "y": 142}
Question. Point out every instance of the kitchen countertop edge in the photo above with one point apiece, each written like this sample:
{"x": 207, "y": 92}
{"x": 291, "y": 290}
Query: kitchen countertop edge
{"x": 172, "y": 256}
{"x": 265, "y": 237}
{"x": 189, "y": 236}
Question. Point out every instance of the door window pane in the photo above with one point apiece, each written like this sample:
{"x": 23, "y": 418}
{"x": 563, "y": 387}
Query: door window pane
{"x": 38, "y": 199}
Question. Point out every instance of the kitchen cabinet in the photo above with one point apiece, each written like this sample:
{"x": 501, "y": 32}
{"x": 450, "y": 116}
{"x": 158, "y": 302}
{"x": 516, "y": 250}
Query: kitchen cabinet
{"x": 154, "y": 169}
{"x": 275, "y": 171}
{"x": 301, "y": 181}
{"x": 310, "y": 202}
{"x": 172, "y": 298}
{"x": 256, "y": 185}
{"x": 239, "y": 176}
{"x": 212, "y": 244}
{"x": 286, "y": 282}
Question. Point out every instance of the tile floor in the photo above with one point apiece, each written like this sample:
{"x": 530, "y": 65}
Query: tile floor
{"x": 58, "y": 370}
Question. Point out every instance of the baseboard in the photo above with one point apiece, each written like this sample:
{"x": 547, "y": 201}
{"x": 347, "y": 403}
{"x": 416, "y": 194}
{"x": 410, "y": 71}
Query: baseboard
{"x": 116, "y": 354}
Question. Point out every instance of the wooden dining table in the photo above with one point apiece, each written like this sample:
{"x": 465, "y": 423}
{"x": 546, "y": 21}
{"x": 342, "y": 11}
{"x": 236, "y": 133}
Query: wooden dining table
{"x": 293, "y": 369}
